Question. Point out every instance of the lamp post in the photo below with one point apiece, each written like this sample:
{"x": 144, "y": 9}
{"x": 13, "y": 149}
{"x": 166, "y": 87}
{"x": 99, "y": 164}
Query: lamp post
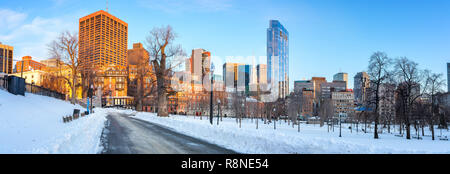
{"x": 274, "y": 121}
{"x": 212, "y": 94}
{"x": 340, "y": 125}
{"x": 218, "y": 113}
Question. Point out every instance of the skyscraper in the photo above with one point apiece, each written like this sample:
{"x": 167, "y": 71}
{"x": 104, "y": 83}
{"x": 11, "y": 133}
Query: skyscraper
{"x": 230, "y": 76}
{"x": 278, "y": 58}
{"x": 244, "y": 74}
{"x": 341, "y": 77}
{"x": 361, "y": 83}
{"x": 261, "y": 73}
{"x": 6, "y": 58}
{"x": 199, "y": 65}
{"x": 103, "y": 40}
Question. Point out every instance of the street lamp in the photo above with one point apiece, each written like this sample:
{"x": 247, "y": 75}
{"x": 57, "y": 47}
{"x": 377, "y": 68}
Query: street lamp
{"x": 274, "y": 121}
{"x": 218, "y": 113}
{"x": 340, "y": 125}
{"x": 212, "y": 94}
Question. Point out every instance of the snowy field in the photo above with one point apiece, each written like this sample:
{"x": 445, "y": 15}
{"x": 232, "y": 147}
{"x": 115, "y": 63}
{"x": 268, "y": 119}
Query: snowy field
{"x": 33, "y": 124}
{"x": 287, "y": 140}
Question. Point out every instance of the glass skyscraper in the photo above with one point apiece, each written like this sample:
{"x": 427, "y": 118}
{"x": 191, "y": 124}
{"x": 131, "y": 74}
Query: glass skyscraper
{"x": 278, "y": 59}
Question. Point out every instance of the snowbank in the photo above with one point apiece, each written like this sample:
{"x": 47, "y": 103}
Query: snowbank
{"x": 287, "y": 140}
{"x": 33, "y": 124}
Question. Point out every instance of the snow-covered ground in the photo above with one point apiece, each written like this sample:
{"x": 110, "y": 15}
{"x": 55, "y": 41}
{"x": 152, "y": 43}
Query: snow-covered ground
{"x": 33, "y": 124}
{"x": 287, "y": 140}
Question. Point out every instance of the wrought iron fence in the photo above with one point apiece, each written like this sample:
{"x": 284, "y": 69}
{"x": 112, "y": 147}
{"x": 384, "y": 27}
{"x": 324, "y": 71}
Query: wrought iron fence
{"x": 44, "y": 91}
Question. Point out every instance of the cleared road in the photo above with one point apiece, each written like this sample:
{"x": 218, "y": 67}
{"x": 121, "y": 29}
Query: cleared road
{"x": 126, "y": 135}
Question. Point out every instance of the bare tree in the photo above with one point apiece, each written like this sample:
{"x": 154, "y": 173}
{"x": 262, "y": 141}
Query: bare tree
{"x": 378, "y": 71}
{"x": 65, "y": 48}
{"x": 238, "y": 106}
{"x": 435, "y": 83}
{"x": 144, "y": 83}
{"x": 326, "y": 111}
{"x": 164, "y": 56}
{"x": 410, "y": 78}
{"x": 294, "y": 102}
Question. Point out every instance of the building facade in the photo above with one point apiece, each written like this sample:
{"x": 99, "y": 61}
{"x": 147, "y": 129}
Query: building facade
{"x": 244, "y": 75}
{"x": 28, "y": 65}
{"x": 230, "y": 76}
{"x": 52, "y": 62}
{"x": 6, "y": 59}
{"x": 327, "y": 89}
{"x": 386, "y": 106}
{"x": 103, "y": 40}
{"x": 278, "y": 58}
{"x": 199, "y": 64}
{"x": 361, "y": 84}
{"x": 343, "y": 102}
{"x": 341, "y": 77}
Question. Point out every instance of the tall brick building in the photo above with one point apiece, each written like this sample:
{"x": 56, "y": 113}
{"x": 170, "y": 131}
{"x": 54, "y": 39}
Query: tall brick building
{"x": 103, "y": 40}
{"x": 6, "y": 58}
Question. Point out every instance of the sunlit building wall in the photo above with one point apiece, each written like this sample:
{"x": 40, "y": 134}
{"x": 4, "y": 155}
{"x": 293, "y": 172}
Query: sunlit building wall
{"x": 103, "y": 40}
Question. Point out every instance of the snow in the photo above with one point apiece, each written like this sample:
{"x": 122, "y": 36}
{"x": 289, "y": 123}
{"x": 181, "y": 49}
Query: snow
{"x": 33, "y": 124}
{"x": 312, "y": 139}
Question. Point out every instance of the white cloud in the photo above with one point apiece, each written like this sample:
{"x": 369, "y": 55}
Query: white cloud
{"x": 11, "y": 19}
{"x": 181, "y": 6}
{"x": 31, "y": 36}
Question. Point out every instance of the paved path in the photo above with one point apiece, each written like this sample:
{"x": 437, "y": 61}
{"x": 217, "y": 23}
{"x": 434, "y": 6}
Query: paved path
{"x": 126, "y": 135}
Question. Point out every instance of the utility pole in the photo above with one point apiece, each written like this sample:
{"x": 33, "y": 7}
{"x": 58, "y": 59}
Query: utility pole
{"x": 21, "y": 72}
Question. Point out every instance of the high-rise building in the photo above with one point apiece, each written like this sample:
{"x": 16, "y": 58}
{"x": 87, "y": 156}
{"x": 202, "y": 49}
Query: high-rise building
{"x": 28, "y": 64}
{"x": 261, "y": 73}
{"x": 139, "y": 70}
{"x": 6, "y": 59}
{"x": 230, "y": 76}
{"x": 303, "y": 85}
{"x": 343, "y": 102}
{"x": 318, "y": 81}
{"x": 386, "y": 105}
{"x": 244, "y": 75}
{"x": 361, "y": 84}
{"x": 261, "y": 79}
{"x": 199, "y": 64}
{"x": 341, "y": 77}
{"x": 327, "y": 89}
{"x": 278, "y": 58}
{"x": 103, "y": 40}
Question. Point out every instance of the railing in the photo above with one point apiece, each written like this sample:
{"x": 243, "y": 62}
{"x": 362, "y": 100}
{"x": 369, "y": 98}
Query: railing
{"x": 44, "y": 91}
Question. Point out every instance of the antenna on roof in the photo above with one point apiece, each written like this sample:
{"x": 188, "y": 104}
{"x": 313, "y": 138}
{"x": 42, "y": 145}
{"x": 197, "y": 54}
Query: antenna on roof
{"x": 106, "y": 5}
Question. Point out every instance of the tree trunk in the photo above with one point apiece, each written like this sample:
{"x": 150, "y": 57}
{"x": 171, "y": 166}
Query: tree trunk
{"x": 408, "y": 131}
{"x": 375, "y": 132}
{"x": 423, "y": 131}
{"x": 74, "y": 92}
{"x": 432, "y": 131}
{"x": 162, "y": 102}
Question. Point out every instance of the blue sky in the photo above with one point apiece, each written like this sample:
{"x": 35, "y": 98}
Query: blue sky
{"x": 326, "y": 36}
